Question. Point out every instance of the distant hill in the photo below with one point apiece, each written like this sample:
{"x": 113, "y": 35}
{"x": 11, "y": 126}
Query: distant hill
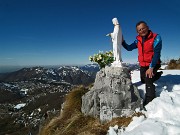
{"x": 70, "y": 74}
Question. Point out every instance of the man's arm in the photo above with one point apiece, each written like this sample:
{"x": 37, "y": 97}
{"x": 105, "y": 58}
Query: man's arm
{"x": 157, "y": 51}
{"x": 131, "y": 46}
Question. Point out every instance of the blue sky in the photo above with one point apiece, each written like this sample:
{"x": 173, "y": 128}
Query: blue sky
{"x": 67, "y": 32}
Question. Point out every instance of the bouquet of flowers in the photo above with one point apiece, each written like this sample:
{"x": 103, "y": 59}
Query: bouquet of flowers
{"x": 102, "y": 59}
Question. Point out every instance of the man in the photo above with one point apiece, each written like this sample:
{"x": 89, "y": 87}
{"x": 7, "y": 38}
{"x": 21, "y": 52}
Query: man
{"x": 149, "y": 46}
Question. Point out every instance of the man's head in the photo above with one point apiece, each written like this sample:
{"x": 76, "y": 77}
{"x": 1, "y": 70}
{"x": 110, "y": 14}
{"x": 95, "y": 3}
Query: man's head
{"x": 142, "y": 28}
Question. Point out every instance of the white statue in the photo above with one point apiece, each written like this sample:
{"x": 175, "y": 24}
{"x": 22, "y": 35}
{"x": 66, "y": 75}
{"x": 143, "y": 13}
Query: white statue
{"x": 116, "y": 37}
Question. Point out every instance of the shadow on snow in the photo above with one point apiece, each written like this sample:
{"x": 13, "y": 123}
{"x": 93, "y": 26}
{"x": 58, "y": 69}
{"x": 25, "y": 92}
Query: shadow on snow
{"x": 164, "y": 83}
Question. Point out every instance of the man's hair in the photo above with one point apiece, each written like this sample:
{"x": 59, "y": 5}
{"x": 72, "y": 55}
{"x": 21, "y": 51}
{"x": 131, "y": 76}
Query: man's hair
{"x": 137, "y": 24}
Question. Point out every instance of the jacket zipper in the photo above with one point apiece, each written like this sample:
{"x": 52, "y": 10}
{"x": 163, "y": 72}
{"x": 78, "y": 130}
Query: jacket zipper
{"x": 143, "y": 48}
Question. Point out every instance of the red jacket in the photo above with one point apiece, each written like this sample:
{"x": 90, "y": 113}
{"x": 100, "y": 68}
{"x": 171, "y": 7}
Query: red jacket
{"x": 146, "y": 49}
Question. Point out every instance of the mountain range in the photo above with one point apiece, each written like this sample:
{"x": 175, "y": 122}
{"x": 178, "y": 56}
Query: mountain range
{"x": 71, "y": 74}
{"x": 30, "y": 96}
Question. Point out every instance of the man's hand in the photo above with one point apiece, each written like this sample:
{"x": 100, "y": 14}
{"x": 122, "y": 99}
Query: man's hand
{"x": 149, "y": 73}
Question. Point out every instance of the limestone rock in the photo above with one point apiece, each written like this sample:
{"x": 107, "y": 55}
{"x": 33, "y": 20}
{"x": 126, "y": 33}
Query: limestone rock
{"x": 113, "y": 95}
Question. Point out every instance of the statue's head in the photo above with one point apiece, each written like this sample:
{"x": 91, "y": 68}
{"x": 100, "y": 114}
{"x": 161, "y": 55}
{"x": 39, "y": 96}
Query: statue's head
{"x": 115, "y": 21}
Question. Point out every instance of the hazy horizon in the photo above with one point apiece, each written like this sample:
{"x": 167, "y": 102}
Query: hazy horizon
{"x": 12, "y": 68}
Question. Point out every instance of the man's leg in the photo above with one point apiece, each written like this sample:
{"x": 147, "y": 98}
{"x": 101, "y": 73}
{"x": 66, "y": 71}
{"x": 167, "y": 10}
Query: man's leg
{"x": 143, "y": 73}
{"x": 149, "y": 86}
{"x": 150, "y": 90}
{"x": 157, "y": 75}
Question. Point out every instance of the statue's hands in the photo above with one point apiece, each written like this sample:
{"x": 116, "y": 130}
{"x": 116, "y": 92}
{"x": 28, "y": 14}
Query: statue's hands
{"x": 108, "y": 35}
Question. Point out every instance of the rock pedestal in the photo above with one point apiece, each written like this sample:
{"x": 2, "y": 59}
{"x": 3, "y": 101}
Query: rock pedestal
{"x": 113, "y": 95}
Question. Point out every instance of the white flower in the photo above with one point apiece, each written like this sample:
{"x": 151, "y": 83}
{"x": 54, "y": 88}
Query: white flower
{"x": 90, "y": 58}
{"x": 102, "y": 59}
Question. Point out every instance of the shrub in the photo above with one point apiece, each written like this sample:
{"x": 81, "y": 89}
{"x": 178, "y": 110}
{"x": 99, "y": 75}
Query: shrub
{"x": 174, "y": 64}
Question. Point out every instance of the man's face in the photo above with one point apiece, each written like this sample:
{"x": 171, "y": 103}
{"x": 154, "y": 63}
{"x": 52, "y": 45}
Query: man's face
{"x": 142, "y": 29}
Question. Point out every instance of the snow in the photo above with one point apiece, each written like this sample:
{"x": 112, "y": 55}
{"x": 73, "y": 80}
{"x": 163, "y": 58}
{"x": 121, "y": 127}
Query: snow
{"x": 164, "y": 66}
{"x": 94, "y": 65}
{"x": 24, "y": 91}
{"x": 163, "y": 113}
{"x": 64, "y": 73}
{"x": 75, "y": 68}
{"x": 51, "y": 71}
{"x": 38, "y": 71}
{"x": 19, "y": 106}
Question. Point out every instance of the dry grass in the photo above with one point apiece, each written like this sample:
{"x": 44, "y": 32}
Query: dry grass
{"x": 73, "y": 122}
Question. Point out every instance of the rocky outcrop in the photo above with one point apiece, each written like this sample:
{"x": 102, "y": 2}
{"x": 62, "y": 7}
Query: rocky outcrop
{"x": 113, "y": 95}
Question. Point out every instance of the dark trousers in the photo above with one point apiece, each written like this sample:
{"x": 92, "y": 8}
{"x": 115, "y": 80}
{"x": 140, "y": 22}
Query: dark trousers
{"x": 150, "y": 87}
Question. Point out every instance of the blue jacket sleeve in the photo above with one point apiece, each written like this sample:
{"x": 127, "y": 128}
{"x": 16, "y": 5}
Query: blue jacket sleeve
{"x": 131, "y": 46}
{"x": 157, "y": 51}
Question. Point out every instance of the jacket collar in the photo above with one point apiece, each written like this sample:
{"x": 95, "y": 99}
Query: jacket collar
{"x": 150, "y": 34}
